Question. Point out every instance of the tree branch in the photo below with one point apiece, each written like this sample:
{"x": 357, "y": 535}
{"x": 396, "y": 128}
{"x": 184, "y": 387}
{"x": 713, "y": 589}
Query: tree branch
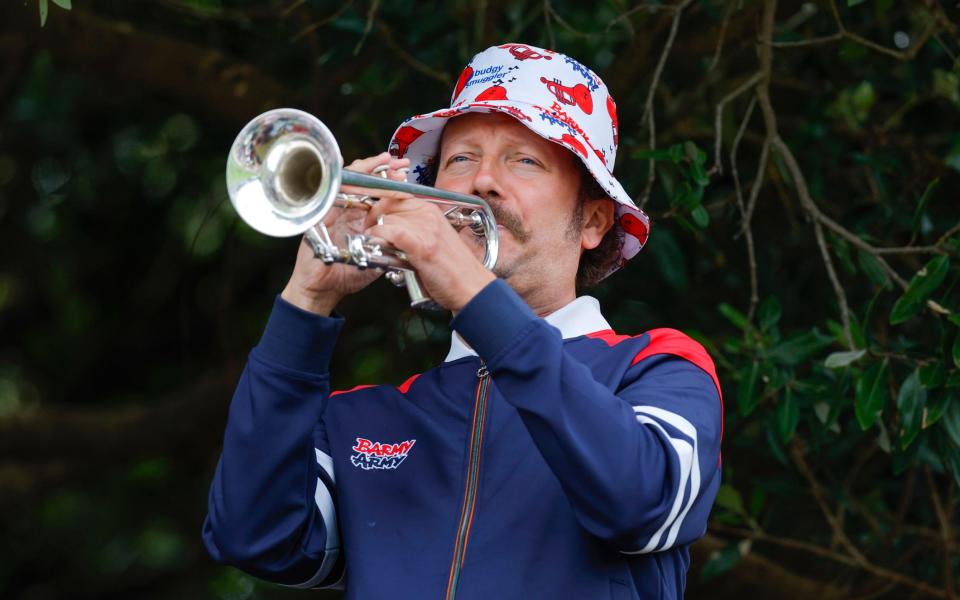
{"x": 844, "y": 34}
{"x": 796, "y": 453}
{"x": 761, "y": 576}
{"x": 746, "y": 228}
{"x": 718, "y": 117}
{"x": 722, "y": 35}
{"x": 880, "y": 572}
{"x": 945, "y": 533}
{"x": 648, "y": 110}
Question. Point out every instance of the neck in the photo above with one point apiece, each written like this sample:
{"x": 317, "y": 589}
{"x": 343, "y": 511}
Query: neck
{"x": 548, "y": 307}
{"x": 546, "y": 300}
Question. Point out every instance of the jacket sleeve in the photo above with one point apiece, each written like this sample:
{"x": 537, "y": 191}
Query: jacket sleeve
{"x": 640, "y": 465}
{"x": 272, "y": 504}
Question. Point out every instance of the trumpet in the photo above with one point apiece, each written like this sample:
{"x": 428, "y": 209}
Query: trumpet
{"x": 284, "y": 174}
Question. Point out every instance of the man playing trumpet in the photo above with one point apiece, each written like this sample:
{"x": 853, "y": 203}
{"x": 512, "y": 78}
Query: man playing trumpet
{"x": 547, "y": 456}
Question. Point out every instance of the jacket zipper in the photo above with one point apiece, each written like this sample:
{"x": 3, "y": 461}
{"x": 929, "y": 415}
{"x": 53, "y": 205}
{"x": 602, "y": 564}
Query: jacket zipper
{"x": 473, "y": 476}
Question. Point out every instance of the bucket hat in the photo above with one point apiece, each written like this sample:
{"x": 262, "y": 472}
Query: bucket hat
{"x": 554, "y": 96}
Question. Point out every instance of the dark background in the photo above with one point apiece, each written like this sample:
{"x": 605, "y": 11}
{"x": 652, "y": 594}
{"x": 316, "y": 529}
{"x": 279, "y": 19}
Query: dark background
{"x": 821, "y": 273}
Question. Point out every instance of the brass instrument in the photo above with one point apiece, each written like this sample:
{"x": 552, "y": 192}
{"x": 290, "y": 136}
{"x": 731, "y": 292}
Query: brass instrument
{"x": 284, "y": 173}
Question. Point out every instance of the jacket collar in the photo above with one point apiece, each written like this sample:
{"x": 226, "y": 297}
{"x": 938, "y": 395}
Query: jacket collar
{"x": 579, "y": 317}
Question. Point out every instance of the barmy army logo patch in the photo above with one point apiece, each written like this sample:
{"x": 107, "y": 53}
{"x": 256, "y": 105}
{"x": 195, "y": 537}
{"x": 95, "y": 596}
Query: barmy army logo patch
{"x": 377, "y": 455}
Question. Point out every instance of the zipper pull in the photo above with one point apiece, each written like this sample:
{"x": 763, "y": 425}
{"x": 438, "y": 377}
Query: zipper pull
{"x": 482, "y": 371}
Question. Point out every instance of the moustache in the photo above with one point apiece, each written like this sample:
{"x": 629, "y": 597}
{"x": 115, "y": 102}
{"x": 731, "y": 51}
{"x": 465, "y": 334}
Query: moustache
{"x": 510, "y": 221}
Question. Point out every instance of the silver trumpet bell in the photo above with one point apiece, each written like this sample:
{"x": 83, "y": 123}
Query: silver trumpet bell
{"x": 284, "y": 173}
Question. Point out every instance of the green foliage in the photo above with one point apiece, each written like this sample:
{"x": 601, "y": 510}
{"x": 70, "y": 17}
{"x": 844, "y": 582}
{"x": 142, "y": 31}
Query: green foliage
{"x": 687, "y": 180}
{"x": 921, "y": 287}
{"x": 126, "y": 279}
{"x": 44, "y": 7}
{"x": 871, "y": 394}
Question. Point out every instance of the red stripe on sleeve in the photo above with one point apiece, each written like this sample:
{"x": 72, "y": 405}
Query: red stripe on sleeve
{"x": 403, "y": 387}
{"x": 353, "y": 389}
{"x": 671, "y": 341}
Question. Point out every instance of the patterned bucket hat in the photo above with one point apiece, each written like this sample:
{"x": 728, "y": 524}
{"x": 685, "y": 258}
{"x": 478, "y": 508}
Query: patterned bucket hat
{"x": 553, "y": 95}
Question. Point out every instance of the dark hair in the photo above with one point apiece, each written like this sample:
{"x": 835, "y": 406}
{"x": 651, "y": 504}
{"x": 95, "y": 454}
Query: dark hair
{"x": 594, "y": 263}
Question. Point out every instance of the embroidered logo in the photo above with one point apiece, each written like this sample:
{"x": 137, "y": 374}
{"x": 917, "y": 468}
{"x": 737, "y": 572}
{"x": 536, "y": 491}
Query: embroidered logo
{"x": 377, "y": 455}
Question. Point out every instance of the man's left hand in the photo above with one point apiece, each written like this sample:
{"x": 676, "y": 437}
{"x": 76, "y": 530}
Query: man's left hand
{"x": 446, "y": 265}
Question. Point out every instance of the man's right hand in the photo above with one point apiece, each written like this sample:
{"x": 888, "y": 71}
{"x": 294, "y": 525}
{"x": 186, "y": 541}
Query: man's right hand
{"x": 317, "y": 287}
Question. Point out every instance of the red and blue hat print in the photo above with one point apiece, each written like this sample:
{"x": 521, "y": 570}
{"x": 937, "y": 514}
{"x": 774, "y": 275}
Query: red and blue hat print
{"x": 552, "y": 94}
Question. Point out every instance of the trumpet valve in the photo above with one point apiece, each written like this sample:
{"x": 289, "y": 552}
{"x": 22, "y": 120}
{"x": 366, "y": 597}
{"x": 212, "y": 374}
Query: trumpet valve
{"x": 357, "y": 250}
{"x": 460, "y": 219}
{"x": 397, "y": 278}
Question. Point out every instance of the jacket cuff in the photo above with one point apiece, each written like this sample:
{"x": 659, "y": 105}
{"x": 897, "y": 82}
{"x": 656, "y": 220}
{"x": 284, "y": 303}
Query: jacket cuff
{"x": 298, "y": 339}
{"x": 493, "y": 319}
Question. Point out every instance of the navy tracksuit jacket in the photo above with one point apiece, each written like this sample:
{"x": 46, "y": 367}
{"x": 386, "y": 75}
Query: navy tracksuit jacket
{"x": 570, "y": 463}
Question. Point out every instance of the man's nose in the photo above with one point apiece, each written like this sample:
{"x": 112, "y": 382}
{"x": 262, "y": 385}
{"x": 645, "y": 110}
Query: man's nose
{"x": 486, "y": 179}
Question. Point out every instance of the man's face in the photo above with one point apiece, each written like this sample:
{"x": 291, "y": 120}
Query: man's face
{"x": 532, "y": 185}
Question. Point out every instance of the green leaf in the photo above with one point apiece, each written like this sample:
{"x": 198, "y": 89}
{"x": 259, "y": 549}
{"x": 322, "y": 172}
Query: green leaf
{"x": 863, "y": 98}
{"x": 757, "y": 498}
{"x": 699, "y": 175}
{"x": 922, "y": 203}
{"x": 951, "y": 421}
{"x": 799, "y": 348}
{"x": 737, "y": 318}
{"x": 953, "y": 380}
{"x": 933, "y": 375}
{"x": 788, "y": 414}
{"x": 936, "y": 408}
{"x": 687, "y": 196}
{"x": 700, "y": 216}
{"x": 44, "y": 9}
{"x": 855, "y": 2}
{"x": 769, "y": 313}
{"x": 911, "y": 402}
{"x": 873, "y": 269}
{"x": 870, "y": 395}
{"x": 674, "y": 154}
{"x": 842, "y": 359}
{"x": 842, "y": 249}
{"x": 921, "y": 287}
{"x": 64, "y": 4}
{"x": 694, "y": 154}
{"x": 777, "y": 450}
{"x": 729, "y": 498}
{"x": 747, "y": 396}
{"x": 956, "y": 352}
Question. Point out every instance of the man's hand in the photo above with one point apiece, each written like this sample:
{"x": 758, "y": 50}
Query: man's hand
{"x": 446, "y": 265}
{"x": 318, "y": 287}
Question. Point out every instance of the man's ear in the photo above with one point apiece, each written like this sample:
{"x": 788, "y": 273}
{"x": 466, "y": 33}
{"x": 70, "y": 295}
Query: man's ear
{"x": 598, "y": 216}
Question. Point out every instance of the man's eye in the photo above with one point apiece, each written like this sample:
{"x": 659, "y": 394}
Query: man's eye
{"x": 457, "y": 158}
{"x": 529, "y": 161}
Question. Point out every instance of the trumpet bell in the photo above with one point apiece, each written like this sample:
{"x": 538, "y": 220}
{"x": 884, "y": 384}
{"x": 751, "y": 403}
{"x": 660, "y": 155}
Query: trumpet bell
{"x": 283, "y": 172}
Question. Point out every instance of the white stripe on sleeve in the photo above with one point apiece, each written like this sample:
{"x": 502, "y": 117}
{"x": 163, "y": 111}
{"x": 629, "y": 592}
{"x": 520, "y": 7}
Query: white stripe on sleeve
{"x": 326, "y": 462}
{"x": 689, "y": 472}
{"x": 328, "y": 512}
